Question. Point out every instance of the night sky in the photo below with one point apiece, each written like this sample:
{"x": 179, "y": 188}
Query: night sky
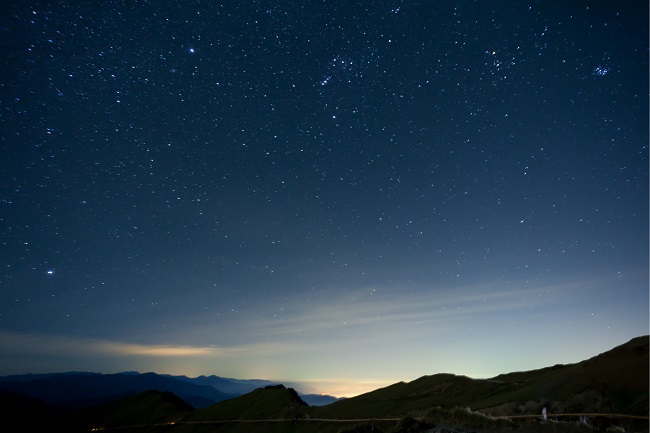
{"x": 343, "y": 194}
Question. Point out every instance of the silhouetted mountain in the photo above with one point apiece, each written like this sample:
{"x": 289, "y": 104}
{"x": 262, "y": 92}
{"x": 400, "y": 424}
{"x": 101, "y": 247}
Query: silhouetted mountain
{"x": 274, "y": 401}
{"x": 154, "y": 412}
{"x": 240, "y": 387}
{"x": 612, "y": 382}
{"x": 84, "y": 390}
{"x": 226, "y": 385}
{"x": 31, "y": 376}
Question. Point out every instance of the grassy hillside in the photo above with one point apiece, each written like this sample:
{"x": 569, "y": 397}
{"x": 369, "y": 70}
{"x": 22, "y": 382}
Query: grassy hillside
{"x": 615, "y": 381}
{"x": 445, "y": 390}
{"x": 612, "y": 382}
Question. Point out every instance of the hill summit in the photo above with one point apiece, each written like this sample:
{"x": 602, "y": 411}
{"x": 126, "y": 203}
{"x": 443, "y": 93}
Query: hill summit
{"x": 270, "y": 402}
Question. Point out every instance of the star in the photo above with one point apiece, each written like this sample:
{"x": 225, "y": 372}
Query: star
{"x": 442, "y": 157}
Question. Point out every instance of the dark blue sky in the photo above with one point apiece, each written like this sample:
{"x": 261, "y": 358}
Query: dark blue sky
{"x": 346, "y": 195}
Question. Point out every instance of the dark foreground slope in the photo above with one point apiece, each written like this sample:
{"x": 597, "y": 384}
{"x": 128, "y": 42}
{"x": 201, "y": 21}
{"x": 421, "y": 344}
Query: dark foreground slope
{"x": 612, "y": 382}
{"x": 32, "y": 414}
{"x": 144, "y": 409}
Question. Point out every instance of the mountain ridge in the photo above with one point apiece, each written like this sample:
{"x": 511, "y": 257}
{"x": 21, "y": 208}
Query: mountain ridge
{"x": 62, "y": 383}
{"x": 613, "y": 382}
{"x": 84, "y": 390}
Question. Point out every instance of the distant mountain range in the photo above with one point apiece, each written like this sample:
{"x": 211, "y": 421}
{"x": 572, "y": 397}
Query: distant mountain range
{"x": 607, "y": 391}
{"x": 82, "y": 389}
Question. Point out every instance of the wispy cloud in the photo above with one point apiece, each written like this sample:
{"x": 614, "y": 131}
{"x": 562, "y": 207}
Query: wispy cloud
{"x": 367, "y": 308}
{"x": 302, "y": 339}
{"x": 166, "y": 358}
{"x": 40, "y": 344}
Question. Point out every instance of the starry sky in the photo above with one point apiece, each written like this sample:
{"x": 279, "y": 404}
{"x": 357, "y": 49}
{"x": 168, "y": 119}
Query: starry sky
{"x": 337, "y": 194}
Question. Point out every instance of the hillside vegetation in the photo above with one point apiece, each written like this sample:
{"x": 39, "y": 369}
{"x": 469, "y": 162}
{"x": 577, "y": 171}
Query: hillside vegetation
{"x": 612, "y": 382}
